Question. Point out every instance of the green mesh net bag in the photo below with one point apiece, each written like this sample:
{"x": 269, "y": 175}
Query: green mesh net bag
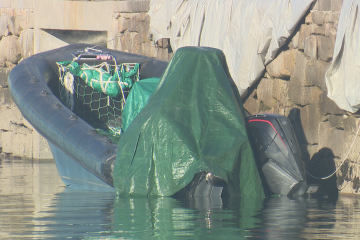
{"x": 97, "y": 93}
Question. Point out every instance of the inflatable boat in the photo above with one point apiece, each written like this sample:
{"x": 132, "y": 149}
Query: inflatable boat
{"x": 84, "y": 158}
{"x": 202, "y": 147}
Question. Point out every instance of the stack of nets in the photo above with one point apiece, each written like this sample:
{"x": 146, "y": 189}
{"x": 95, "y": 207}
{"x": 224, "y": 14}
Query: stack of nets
{"x": 97, "y": 93}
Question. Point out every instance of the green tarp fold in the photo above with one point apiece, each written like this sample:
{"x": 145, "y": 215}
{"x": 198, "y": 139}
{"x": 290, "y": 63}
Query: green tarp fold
{"x": 191, "y": 123}
{"x": 137, "y": 99}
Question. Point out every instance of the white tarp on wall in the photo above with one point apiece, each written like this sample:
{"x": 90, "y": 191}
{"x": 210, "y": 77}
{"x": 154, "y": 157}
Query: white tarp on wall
{"x": 343, "y": 76}
{"x": 249, "y": 32}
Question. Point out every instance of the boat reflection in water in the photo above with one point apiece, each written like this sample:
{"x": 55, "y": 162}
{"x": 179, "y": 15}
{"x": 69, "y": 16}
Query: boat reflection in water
{"x": 34, "y": 203}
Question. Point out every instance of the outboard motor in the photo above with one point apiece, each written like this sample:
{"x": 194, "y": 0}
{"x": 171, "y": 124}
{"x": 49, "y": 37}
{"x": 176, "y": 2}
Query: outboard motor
{"x": 277, "y": 154}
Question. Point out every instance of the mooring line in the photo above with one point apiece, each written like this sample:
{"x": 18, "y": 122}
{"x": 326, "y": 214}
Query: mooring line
{"x": 337, "y": 169}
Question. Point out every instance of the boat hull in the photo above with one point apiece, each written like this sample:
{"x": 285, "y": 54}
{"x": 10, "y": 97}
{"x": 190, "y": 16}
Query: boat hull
{"x": 34, "y": 86}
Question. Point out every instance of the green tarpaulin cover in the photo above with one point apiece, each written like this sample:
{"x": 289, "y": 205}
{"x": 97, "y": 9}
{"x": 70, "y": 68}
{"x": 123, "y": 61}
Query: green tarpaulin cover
{"x": 137, "y": 99}
{"x": 191, "y": 123}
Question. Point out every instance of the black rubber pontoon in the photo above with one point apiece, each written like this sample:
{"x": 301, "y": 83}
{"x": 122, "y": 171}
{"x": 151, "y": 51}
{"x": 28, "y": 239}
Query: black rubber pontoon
{"x": 84, "y": 158}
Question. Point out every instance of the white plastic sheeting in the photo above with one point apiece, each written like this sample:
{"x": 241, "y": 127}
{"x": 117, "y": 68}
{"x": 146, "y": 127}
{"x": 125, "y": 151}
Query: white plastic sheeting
{"x": 343, "y": 77}
{"x": 249, "y": 32}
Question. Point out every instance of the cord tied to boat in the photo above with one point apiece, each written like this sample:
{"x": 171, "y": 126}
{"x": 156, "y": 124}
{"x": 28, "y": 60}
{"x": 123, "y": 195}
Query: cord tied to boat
{"x": 343, "y": 161}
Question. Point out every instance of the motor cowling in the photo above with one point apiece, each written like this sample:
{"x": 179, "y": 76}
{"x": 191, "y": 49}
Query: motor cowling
{"x": 277, "y": 154}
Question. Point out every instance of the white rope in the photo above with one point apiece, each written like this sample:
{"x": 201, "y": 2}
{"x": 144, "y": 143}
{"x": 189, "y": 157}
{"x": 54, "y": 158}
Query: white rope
{"x": 337, "y": 169}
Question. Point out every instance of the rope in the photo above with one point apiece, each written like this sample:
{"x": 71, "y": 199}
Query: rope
{"x": 337, "y": 169}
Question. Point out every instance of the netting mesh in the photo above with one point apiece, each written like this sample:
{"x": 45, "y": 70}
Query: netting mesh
{"x": 97, "y": 93}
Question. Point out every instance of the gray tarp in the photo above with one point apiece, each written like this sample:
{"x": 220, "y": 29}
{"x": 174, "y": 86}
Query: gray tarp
{"x": 343, "y": 76}
{"x": 249, "y": 32}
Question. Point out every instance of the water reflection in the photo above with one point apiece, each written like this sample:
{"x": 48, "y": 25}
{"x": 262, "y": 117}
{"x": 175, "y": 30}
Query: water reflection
{"x": 34, "y": 204}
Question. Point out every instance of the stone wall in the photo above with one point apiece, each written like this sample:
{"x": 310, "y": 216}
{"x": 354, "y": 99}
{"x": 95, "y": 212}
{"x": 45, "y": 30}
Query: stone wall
{"x": 23, "y": 32}
{"x": 17, "y": 137}
{"x": 294, "y": 85}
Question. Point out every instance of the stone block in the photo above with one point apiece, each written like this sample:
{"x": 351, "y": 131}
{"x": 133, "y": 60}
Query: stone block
{"x": 295, "y": 40}
{"x": 299, "y": 70}
{"x": 127, "y": 42}
{"x": 9, "y": 116}
{"x": 20, "y": 128}
{"x": 26, "y": 41}
{"x": 7, "y": 141}
{"x": 310, "y": 120}
{"x": 280, "y": 92}
{"x": 320, "y": 30}
{"x": 136, "y": 43}
{"x": 336, "y": 121}
{"x": 252, "y": 105}
{"x": 265, "y": 91}
{"x": 4, "y": 26}
{"x": 332, "y": 17}
{"x": 27, "y": 124}
{"x": 324, "y": 5}
{"x": 5, "y": 3}
{"x": 335, "y": 139}
{"x": 310, "y": 47}
{"x": 9, "y": 50}
{"x": 5, "y": 97}
{"x": 21, "y": 4}
{"x": 4, "y": 74}
{"x": 330, "y": 30}
{"x": 132, "y": 6}
{"x": 305, "y": 31}
{"x": 322, "y": 17}
{"x": 74, "y": 15}
{"x": 311, "y": 149}
{"x": 148, "y": 49}
{"x": 283, "y": 65}
{"x": 336, "y": 5}
{"x": 303, "y": 95}
{"x": 22, "y": 145}
{"x": 163, "y": 43}
{"x": 30, "y": 20}
{"x": 327, "y": 106}
{"x": 17, "y": 144}
{"x": 41, "y": 149}
{"x": 23, "y": 20}
{"x": 16, "y": 25}
{"x": 9, "y": 24}
{"x": 325, "y": 47}
{"x": 316, "y": 17}
{"x": 351, "y": 123}
{"x": 315, "y": 73}
{"x": 162, "y": 54}
{"x": 131, "y": 21}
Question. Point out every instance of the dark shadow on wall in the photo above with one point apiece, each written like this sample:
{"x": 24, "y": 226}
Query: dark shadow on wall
{"x": 294, "y": 117}
{"x": 321, "y": 164}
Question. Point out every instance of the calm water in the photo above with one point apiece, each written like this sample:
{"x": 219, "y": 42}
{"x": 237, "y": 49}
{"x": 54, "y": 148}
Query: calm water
{"x": 34, "y": 204}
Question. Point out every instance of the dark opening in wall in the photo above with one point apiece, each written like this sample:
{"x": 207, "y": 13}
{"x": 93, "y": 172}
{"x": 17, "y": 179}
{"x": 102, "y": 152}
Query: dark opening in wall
{"x": 78, "y": 36}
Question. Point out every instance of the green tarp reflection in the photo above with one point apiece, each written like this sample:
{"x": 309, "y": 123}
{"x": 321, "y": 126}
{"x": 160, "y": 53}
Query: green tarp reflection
{"x": 191, "y": 123}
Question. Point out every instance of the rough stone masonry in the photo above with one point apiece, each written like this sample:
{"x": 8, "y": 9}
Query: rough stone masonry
{"x": 292, "y": 85}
